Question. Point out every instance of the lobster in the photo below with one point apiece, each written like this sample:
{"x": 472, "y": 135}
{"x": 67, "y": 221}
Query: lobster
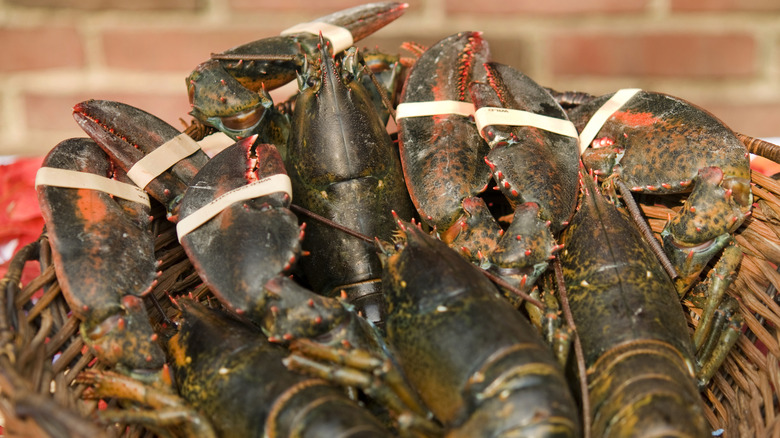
{"x": 658, "y": 144}
{"x": 216, "y": 358}
{"x": 103, "y": 252}
{"x": 229, "y": 91}
{"x": 355, "y": 181}
{"x": 498, "y": 378}
{"x": 257, "y": 227}
{"x": 534, "y": 169}
{"x": 258, "y": 291}
{"x": 635, "y": 340}
{"x": 232, "y": 382}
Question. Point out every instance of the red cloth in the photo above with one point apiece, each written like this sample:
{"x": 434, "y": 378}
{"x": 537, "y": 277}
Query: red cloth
{"x": 20, "y": 216}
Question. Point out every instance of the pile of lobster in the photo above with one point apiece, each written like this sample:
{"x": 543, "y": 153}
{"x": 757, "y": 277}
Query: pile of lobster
{"x": 441, "y": 280}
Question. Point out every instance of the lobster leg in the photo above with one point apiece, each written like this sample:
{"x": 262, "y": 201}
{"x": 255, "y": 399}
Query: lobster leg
{"x": 378, "y": 378}
{"x": 169, "y": 410}
{"x": 720, "y": 323}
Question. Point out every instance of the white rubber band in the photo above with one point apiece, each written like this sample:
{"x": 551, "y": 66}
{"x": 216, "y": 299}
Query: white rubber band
{"x": 73, "y": 179}
{"x": 272, "y": 184}
{"x": 592, "y": 128}
{"x": 340, "y": 37}
{"x": 161, "y": 159}
{"x": 433, "y": 108}
{"x": 503, "y": 116}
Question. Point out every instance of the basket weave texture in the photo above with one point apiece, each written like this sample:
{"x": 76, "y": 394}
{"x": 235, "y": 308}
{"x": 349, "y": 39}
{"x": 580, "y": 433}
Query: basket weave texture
{"x": 41, "y": 352}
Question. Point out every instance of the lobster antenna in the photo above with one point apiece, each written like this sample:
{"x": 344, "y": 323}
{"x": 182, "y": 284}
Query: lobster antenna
{"x": 497, "y": 280}
{"x": 251, "y": 57}
{"x": 324, "y": 220}
{"x": 644, "y": 228}
{"x": 580, "y": 357}
{"x": 385, "y": 100}
{"x": 501, "y": 282}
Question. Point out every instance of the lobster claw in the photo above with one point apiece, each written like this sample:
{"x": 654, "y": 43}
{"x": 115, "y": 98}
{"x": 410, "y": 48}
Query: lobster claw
{"x": 689, "y": 239}
{"x": 442, "y": 153}
{"x": 524, "y": 250}
{"x": 249, "y": 241}
{"x": 103, "y": 253}
{"x": 228, "y": 92}
{"x": 128, "y": 135}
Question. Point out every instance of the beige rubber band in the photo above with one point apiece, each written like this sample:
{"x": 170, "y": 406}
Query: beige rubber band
{"x": 433, "y": 108}
{"x": 503, "y": 116}
{"x": 592, "y": 128}
{"x": 272, "y": 184}
{"x": 72, "y": 179}
{"x": 340, "y": 37}
{"x": 161, "y": 159}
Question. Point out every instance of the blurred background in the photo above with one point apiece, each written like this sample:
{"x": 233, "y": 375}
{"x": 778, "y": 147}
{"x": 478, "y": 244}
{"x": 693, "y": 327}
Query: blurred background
{"x": 721, "y": 54}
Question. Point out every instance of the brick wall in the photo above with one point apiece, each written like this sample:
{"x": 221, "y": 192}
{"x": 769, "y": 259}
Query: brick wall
{"x": 722, "y": 54}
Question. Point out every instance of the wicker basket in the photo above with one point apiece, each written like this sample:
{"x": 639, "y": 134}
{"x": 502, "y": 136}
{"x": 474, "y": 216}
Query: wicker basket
{"x": 41, "y": 352}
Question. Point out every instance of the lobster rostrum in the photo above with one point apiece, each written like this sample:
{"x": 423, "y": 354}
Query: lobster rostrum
{"x": 102, "y": 246}
{"x": 638, "y": 353}
{"x": 344, "y": 167}
{"x": 498, "y": 378}
{"x": 659, "y": 144}
{"x": 160, "y": 159}
{"x": 229, "y": 91}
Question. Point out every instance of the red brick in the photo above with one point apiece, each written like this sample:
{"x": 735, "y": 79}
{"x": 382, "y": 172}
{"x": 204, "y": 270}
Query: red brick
{"x": 299, "y": 6}
{"x": 655, "y": 54}
{"x": 548, "y": 7}
{"x": 171, "y": 50}
{"x": 724, "y": 5}
{"x": 755, "y": 120}
{"x": 95, "y": 5}
{"x": 40, "y": 48}
{"x": 55, "y": 113}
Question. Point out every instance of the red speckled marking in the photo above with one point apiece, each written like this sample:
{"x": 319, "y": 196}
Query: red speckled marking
{"x": 635, "y": 120}
{"x": 89, "y": 205}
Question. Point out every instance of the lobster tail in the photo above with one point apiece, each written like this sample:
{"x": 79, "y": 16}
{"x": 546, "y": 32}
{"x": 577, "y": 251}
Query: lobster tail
{"x": 659, "y": 399}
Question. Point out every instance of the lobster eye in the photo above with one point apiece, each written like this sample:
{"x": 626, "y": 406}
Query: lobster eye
{"x": 242, "y": 120}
